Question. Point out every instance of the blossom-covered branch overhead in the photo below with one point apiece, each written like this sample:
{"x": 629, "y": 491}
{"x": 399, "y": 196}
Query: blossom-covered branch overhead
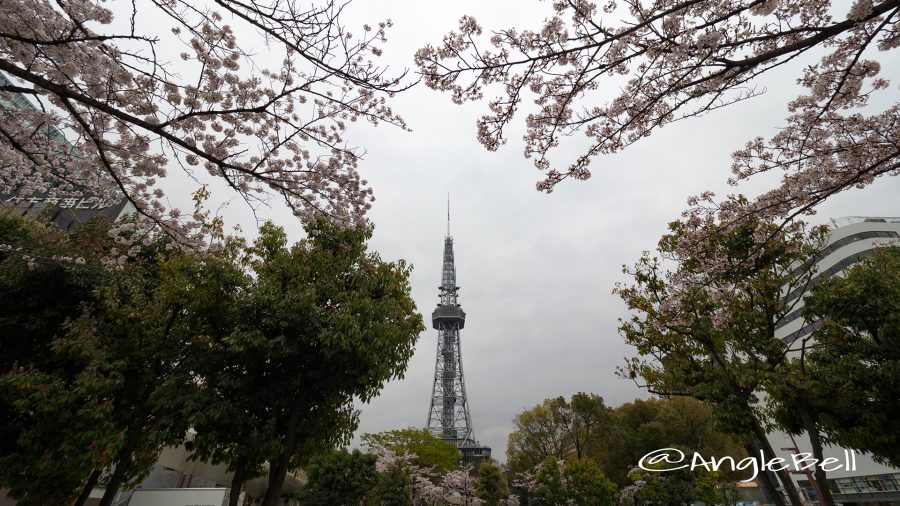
{"x": 664, "y": 61}
{"x": 115, "y": 107}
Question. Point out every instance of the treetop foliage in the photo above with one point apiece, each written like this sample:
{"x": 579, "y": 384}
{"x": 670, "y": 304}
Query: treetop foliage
{"x": 424, "y": 448}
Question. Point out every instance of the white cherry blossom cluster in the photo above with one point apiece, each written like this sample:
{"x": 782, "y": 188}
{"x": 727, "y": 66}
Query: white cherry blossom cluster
{"x": 32, "y": 258}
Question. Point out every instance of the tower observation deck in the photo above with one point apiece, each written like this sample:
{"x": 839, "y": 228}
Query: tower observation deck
{"x": 448, "y": 416}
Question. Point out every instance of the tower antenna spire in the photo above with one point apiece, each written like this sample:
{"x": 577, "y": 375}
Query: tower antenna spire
{"x": 448, "y": 215}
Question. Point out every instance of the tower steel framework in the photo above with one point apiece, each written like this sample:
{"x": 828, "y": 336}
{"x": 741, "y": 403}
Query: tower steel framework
{"x": 448, "y": 416}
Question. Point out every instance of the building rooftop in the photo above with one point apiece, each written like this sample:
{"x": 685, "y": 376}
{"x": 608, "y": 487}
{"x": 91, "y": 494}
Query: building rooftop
{"x": 851, "y": 220}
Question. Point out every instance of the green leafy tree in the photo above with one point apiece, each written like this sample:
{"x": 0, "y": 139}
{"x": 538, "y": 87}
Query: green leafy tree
{"x": 224, "y": 405}
{"x": 581, "y": 419}
{"x": 671, "y": 487}
{"x": 712, "y": 490}
{"x": 165, "y": 341}
{"x": 42, "y": 285}
{"x": 534, "y": 439}
{"x": 579, "y": 482}
{"x": 65, "y": 431}
{"x": 144, "y": 324}
{"x": 546, "y": 486}
{"x": 491, "y": 485}
{"x": 557, "y": 429}
{"x": 642, "y": 426}
{"x": 326, "y": 321}
{"x": 425, "y": 449}
{"x": 393, "y": 488}
{"x": 587, "y": 485}
{"x": 339, "y": 478}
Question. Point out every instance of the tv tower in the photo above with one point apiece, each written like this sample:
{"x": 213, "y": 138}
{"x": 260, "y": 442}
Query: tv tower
{"x": 448, "y": 417}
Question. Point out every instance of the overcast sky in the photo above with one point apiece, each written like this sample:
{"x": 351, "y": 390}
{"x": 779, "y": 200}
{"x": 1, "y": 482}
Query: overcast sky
{"x": 536, "y": 271}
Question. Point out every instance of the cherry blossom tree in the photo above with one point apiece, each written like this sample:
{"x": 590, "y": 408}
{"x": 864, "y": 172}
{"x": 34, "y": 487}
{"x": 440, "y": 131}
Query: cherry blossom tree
{"x": 664, "y": 61}
{"x": 116, "y": 104}
{"x": 431, "y": 486}
{"x": 460, "y": 488}
{"x": 557, "y": 482}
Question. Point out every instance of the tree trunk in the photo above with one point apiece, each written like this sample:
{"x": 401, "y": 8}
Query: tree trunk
{"x": 88, "y": 487}
{"x": 237, "y": 481}
{"x": 123, "y": 459}
{"x": 278, "y": 470}
{"x": 764, "y": 479}
{"x": 822, "y": 488}
{"x": 783, "y": 475}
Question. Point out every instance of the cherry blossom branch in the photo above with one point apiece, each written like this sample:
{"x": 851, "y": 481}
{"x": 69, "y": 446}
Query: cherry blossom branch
{"x": 681, "y": 60}
{"x": 127, "y": 115}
